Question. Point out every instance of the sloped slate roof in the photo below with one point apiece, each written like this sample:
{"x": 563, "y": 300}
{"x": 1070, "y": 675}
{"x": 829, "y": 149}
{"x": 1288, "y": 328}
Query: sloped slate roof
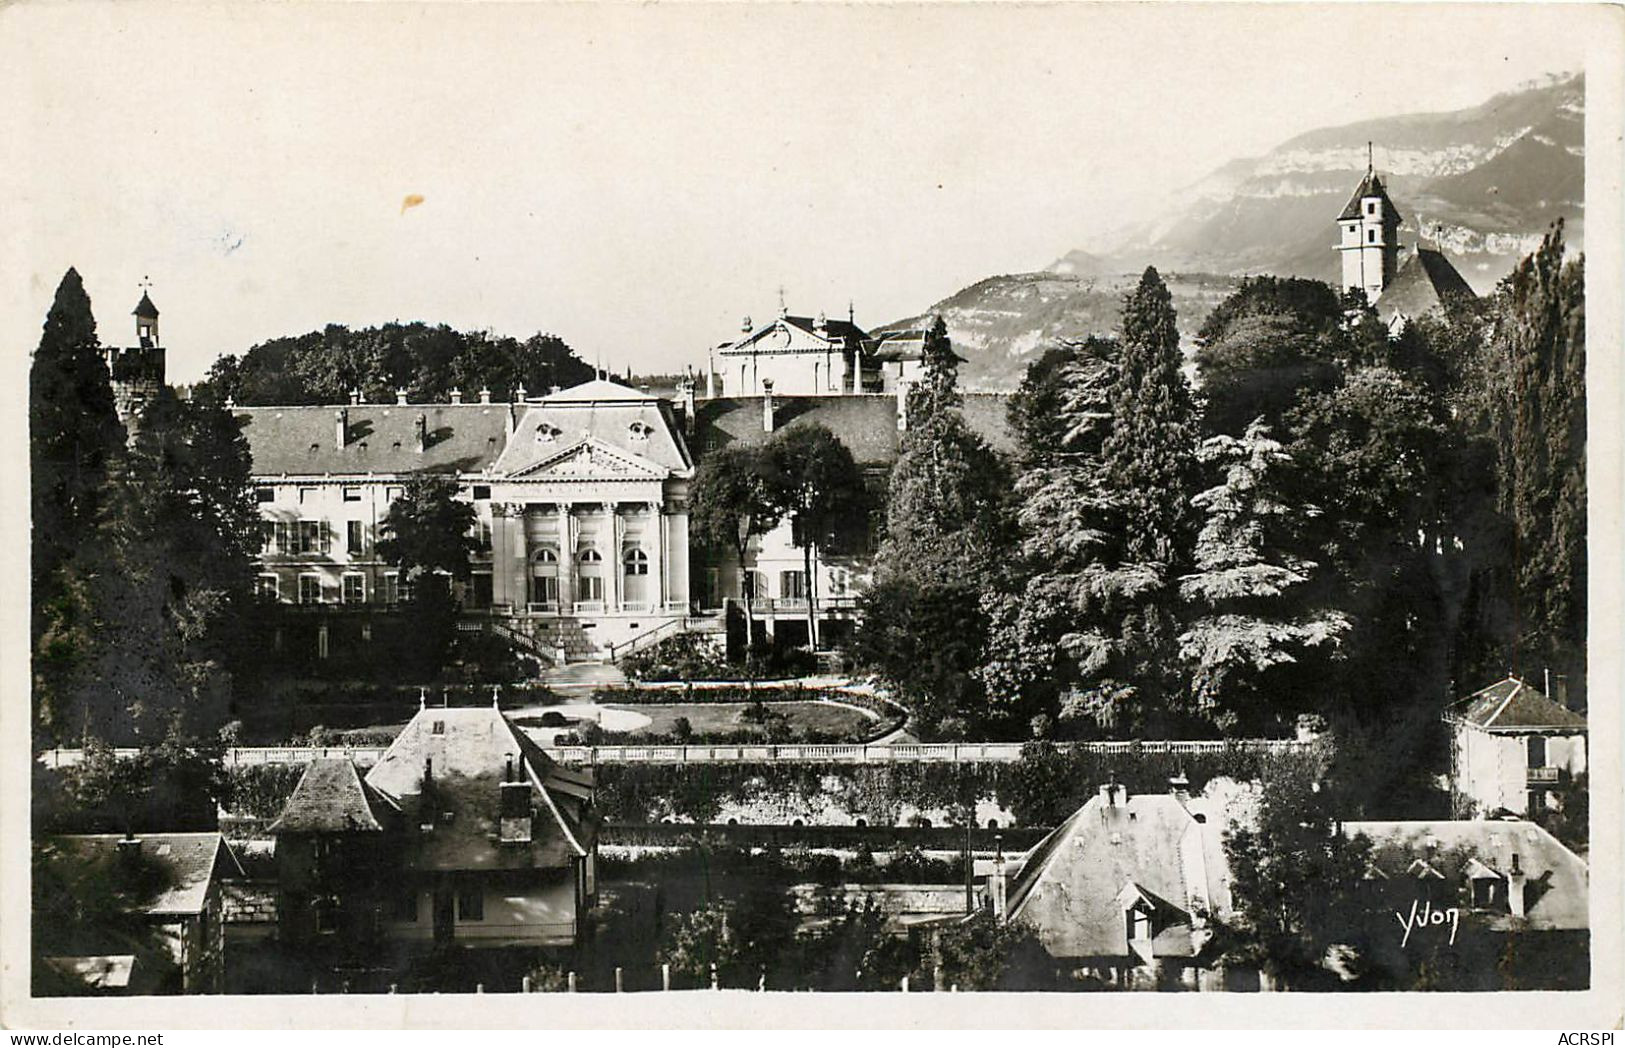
{"x": 1072, "y": 884}
{"x": 382, "y": 438}
{"x": 609, "y": 422}
{"x": 192, "y": 860}
{"x": 1425, "y": 281}
{"x": 1555, "y": 894}
{"x": 145, "y": 309}
{"x": 462, "y": 438}
{"x": 468, "y": 751}
{"x": 833, "y": 329}
{"x": 1512, "y": 705}
{"x": 1370, "y": 185}
{"x": 331, "y": 798}
{"x": 865, "y": 423}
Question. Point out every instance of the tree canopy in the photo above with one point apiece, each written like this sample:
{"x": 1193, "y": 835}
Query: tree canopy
{"x": 322, "y": 367}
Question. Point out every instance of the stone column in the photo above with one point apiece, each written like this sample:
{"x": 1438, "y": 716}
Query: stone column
{"x": 519, "y": 551}
{"x": 502, "y": 558}
{"x": 657, "y": 570}
{"x": 567, "y": 561}
{"x": 617, "y": 581}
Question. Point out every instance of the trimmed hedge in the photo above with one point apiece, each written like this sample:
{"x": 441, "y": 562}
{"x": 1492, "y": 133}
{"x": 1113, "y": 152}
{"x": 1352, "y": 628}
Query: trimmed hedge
{"x": 1042, "y": 788}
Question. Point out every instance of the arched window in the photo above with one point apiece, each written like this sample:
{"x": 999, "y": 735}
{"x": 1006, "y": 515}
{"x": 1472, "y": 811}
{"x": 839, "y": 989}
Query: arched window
{"x": 635, "y": 575}
{"x": 590, "y": 575}
{"x": 544, "y": 579}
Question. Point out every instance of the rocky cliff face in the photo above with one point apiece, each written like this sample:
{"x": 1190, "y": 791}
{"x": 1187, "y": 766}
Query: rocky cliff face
{"x": 1001, "y": 323}
{"x": 1482, "y": 183}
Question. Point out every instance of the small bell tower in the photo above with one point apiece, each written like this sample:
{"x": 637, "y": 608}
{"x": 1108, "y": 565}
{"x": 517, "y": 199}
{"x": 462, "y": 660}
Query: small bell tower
{"x": 137, "y": 372}
{"x": 146, "y": 319}
{"x": 1368, "y": 235}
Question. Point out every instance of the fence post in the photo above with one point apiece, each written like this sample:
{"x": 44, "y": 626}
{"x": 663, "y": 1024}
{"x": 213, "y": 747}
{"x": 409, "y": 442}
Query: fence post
{"x": 524, "y": 985}
{"x": 714, "y": 983}
{"x": 479, "y": 987}
{"x": 905, "y": 984}
{"x": 572, "y": 982}
{"x": 618, "y": 987}
{"x": 665, "y": 977}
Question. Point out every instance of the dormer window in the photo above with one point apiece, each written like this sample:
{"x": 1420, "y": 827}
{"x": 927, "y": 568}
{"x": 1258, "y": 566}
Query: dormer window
{"x": 1139, "y": 924}
{"x": 546, "y": 434}
{"x": 640, "y": 430}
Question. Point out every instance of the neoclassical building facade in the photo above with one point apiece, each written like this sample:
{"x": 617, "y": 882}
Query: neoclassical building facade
{"x": 580, "y": 498}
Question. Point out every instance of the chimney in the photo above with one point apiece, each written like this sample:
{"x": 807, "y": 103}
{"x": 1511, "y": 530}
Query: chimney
{"x": 514, "y": 808}
{"x": 1113, "y": 793}
{"x": 422, "y": 428}
{"x": 767, "y": 405}
{"x": 821, "y": 325}
{"x": 355, "y": 396}
{"x": 341, "y": 428}
{"x": 711, "y": 376}
{"x": 456, "y": 396}
{"x": 685, "y": 392}
{"x": 902, "y": 404}
{"x": 1560, "y": 690}
{"x": 513, "y": 418}
{"x": 519, "y": 394}
{"x": 1515, "y": 885}
{"x": 746, "y": 326}
{"x": 1180, "y": 787}
{"x": 485, "y": 395}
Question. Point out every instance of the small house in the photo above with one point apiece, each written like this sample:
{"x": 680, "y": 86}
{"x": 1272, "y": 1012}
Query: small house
{"x": 1512, "y": 749}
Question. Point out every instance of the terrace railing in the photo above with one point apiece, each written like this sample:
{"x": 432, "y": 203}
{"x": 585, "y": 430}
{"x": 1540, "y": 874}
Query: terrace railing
{"x": 878, "y": 753}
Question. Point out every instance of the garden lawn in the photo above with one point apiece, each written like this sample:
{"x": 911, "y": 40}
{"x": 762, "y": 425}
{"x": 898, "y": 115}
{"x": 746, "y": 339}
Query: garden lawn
{"x": 725, "y": 716}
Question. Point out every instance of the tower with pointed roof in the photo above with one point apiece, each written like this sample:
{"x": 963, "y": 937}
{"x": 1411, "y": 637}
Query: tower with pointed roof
{"x": 1368, "y": 235}
{"x": 137, "y": 372}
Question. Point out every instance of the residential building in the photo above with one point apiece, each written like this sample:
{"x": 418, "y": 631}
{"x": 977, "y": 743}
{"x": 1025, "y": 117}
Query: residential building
{"x": 1511, "y": 903}
{"x": 174, "y": 882}
{"x": 1512, "y": 749}
{"x": 1128, "y": 890}
{"x": 465, "y": 832}
{"x": 872, "y": 426}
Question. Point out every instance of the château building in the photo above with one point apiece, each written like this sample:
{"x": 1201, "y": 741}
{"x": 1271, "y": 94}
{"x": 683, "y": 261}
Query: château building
{"x": 1368, "y": 245}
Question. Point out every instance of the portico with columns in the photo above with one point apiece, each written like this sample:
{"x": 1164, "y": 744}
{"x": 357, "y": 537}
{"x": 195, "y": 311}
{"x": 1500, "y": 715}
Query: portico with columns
{"x": 580, "y": 498}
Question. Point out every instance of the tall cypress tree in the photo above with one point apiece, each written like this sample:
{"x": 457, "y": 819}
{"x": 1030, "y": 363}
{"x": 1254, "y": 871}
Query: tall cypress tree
{"x": 72, "y": 429}
{"x": 1542, "y": 331}
{"x": 1151, "y": 452}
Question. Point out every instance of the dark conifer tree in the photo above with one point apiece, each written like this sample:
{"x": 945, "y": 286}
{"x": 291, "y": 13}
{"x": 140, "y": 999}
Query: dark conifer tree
{"x": 73, "y": 432}
{"x": 1151, "y": 452}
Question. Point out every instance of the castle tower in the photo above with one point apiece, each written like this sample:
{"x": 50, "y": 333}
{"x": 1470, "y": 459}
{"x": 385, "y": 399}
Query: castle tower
{"x": 146, "y": 322}
{"x": 1368, "y": 236}
{"x": 137, "y": 372}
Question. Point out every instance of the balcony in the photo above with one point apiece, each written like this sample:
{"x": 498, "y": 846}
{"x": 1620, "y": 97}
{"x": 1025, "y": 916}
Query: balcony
{"x": 1545, "y": 776}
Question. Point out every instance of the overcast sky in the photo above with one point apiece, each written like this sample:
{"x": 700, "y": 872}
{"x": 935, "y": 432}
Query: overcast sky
{"x": 636, "y": 178}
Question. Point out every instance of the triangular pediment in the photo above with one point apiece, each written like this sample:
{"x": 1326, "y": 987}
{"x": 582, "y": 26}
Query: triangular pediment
{"x": 780, "y": 336}
{"x": 591, "y": 459}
